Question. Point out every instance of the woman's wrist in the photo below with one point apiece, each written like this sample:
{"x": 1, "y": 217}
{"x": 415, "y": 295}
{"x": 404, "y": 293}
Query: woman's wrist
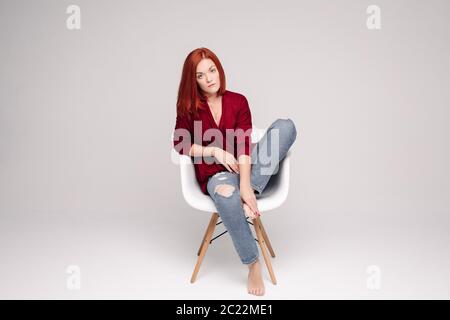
{"x": 243, "y": 185}
{"x": 209, "y": 151}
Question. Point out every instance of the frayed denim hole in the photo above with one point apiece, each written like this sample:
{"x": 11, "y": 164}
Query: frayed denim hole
{"x": 226, "y": 190}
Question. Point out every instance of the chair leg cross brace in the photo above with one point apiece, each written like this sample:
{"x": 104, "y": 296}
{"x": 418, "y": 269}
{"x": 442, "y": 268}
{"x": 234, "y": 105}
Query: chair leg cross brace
{"x": 262, "y": 239}
{"x": 199, "y": 249}
{"x": 203, "y": 241}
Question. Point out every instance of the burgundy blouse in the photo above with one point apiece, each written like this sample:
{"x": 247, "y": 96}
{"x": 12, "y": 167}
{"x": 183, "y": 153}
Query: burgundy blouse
{"x": 235, "y": 115}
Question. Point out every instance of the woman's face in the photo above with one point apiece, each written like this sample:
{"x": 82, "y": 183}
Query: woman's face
{"x": 208, "y": 76}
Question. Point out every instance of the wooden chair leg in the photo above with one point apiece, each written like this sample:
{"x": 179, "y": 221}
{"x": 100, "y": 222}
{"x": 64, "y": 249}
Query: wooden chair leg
{"x": 205, "y": 244}
{"x": 262, "y": 244}
{"x": 266, "y": 238}
{"x": 203, "y": 241}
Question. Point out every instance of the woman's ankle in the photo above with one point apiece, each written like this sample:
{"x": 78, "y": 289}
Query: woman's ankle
{"x": 251, "y": 265}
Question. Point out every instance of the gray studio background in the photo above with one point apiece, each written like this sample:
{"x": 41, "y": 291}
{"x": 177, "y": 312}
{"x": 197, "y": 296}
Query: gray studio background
{"x": 86, "y": 176}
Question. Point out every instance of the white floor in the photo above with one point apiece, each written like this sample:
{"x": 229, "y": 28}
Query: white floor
{"x": 136, "y": 258}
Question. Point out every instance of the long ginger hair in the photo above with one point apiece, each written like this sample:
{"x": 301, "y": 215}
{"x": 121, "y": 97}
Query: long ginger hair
{"x": 190, "y": 98}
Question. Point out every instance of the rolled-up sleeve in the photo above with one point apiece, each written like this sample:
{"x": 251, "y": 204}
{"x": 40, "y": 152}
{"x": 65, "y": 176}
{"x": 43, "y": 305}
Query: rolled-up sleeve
{"x": 243, "y": 129}
{"x": 182, "y": 135}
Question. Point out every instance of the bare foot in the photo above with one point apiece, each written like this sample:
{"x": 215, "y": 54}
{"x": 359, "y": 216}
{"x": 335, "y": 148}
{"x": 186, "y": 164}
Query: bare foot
{"x": 255, "y": 283}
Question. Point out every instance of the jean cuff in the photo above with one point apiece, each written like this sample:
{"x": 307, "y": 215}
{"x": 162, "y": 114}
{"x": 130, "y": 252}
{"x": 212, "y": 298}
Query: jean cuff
{"x": 257, "y": 188}
{"x": 251, "y": 261}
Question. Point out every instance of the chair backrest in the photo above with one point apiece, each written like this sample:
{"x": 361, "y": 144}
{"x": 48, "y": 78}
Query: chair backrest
{"x": 257, "y": 134}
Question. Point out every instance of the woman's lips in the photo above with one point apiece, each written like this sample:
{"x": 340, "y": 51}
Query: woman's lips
{"x": 211, "y": 85}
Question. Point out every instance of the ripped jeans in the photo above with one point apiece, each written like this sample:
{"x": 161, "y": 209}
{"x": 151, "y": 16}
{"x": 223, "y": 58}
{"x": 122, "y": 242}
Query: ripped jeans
{"x": 266, "y": 156}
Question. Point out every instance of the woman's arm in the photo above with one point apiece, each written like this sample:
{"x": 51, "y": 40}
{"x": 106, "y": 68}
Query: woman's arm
{"x": 244, "y": 122}
{"x": 246, "y": 189}
{"x": 244, "y": 170}
{"x": 224, "y": 157}
{"x": 201, "y": 151}
{"x": 186, "y": 146}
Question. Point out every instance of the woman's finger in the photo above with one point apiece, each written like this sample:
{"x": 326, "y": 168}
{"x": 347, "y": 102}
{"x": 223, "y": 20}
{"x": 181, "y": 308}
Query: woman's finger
{"x": 251, "y": 206}
{"x": 254, "y": 207}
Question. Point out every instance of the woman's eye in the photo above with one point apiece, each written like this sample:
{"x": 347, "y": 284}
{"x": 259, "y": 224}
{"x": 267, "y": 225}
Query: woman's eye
{"x": 213, "y": 70}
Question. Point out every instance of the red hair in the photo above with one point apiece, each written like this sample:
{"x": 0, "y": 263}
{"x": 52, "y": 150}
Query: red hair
{"x": 190, "y": 97}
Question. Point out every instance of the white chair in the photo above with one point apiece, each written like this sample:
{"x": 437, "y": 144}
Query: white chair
{"x": 272, "y": 197}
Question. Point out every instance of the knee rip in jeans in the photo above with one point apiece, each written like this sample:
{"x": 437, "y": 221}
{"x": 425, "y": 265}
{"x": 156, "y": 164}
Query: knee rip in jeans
{"x": 225, "y": 190}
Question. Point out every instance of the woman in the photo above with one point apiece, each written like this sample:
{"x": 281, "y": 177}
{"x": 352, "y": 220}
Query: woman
{"x": 215, "y": 125}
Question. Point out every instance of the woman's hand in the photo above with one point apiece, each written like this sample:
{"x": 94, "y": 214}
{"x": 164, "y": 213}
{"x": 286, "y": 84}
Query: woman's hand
{"x": 227, "y": 159}
{"x": 249, "y": 199}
